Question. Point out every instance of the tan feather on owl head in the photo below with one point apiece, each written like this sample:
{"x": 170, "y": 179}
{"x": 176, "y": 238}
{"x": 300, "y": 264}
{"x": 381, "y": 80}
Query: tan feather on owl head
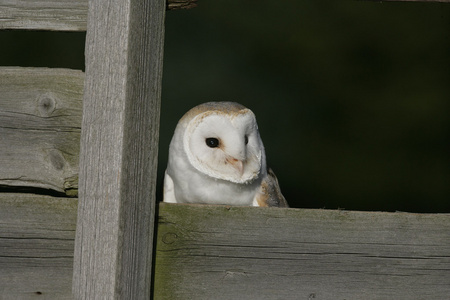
{"x": 216, "y": 156}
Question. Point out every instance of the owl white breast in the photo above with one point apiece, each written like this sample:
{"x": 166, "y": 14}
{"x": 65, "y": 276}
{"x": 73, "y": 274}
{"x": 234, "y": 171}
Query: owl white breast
{"x": 216, "y": 156}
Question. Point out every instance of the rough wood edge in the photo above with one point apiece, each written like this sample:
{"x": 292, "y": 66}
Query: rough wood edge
{"x": 119, "y": 146}
{"x": 28, "y": 86}
{"x": 37, "y": 233}
{"x": 54, "y": 16}
{"x": 24, "y": 209}
{"x": 181, "y": 4}
{"x": 439, "y": 1}
{"x": 222, "y": 252}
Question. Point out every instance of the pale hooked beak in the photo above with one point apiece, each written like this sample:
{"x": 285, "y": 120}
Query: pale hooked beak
{"x": 236, "y": 163}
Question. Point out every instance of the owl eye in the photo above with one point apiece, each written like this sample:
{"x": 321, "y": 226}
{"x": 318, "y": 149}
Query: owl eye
{"x": 212, "y": 142}
{"x": 246, "y": 140}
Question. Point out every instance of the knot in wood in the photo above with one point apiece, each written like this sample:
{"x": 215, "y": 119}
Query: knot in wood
{"x": 46, "y": 105}
{"x": 169, "y": 238}
{"x": 57, "y": 159}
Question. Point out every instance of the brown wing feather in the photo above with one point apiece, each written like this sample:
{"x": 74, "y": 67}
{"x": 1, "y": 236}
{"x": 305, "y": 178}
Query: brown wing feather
{"x": 270, "y": 193}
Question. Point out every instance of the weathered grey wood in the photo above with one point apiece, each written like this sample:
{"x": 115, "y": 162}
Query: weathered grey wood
{"x": 240, "y": 253}
{"x": 59, "y": 15}
{"x": 270, "y": 253}
{"x": 40, "y": 125}
{"x": 36, "y": 246}
{"x": 119, "y": 144}
{"x": 442, "y": 1}
{"x": 71, "y": 15}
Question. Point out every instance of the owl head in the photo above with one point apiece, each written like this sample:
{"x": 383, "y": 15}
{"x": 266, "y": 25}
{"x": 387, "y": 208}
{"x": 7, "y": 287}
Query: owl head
{"x": 221, "y": 140}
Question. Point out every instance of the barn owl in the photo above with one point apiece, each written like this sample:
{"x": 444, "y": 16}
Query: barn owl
{"x": 216, "y": 156}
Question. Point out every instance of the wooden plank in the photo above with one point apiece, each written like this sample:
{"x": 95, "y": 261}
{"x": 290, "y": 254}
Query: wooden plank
{"x": 40, "y": 125}
{"x": 442, "y": 1}
{"x": 36, "y": 246}
{"x": 59, "y": 15}
{"x": 71, "y": 15}
{"x": 119, "y": 144}
{"x": 268, "y": 253}
{"x": 240, "y": 252}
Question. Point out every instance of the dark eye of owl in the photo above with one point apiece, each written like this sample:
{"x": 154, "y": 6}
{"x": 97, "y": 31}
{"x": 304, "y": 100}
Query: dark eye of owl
{"x": 246, "y": 140}
{"x": 212, "y": 142}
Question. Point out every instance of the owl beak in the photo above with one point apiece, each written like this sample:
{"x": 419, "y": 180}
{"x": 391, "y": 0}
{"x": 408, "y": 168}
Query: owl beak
{"x": 238, "y": 164}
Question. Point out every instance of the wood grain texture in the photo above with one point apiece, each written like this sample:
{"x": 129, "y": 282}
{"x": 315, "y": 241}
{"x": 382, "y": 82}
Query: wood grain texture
{"x": 36, "y": 246}
{"x": 40, "y": 126}
{"x": 58, "y": 15}
{"x": 215, "y": 252}
{"x": 207, "y": 252}
{"x": 119, "y": 144}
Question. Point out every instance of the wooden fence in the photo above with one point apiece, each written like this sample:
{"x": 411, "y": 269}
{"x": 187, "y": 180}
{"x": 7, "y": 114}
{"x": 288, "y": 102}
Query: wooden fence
{"x": 105, "y": 243}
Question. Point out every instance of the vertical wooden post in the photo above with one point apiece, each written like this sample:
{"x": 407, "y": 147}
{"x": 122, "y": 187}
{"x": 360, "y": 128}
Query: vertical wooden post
{"x": 119, "y": 144}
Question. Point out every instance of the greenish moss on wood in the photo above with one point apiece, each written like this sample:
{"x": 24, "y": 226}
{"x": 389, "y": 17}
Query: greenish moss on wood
{"x": 219, "y": 252}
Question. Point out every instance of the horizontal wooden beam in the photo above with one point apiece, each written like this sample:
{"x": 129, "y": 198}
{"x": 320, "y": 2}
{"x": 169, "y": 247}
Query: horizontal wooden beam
{"x": 442, "y": 1}
{"x": 71, "y": 15}
{"x": 36, "y": 246}
{"x": 216, "y": 252}
{"x": 58, "y": 15}
{"x": 40, "y": 127}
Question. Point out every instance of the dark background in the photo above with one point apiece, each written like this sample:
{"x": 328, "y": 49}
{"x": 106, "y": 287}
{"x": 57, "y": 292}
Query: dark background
{"x": 352, "y": 97}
